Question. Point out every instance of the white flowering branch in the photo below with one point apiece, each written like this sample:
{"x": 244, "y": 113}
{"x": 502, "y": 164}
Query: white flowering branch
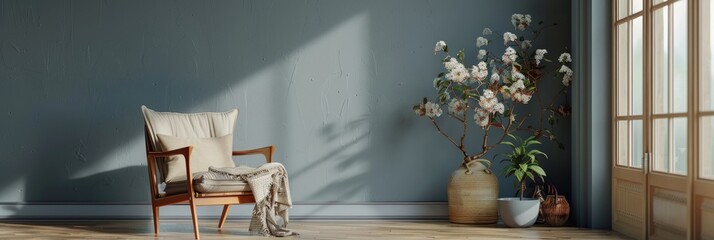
{"x": 496, "y": 85}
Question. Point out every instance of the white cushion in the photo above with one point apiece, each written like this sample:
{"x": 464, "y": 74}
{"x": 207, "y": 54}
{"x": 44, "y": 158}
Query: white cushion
{"x": 207, "y": 182}
{"x": 185, "y": 125}
{"x": 207, "y": 152}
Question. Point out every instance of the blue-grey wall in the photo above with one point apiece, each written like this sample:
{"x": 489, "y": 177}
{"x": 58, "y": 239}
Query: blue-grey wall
{"x": 330, "y": 83}
{"x": 592, "y": 177}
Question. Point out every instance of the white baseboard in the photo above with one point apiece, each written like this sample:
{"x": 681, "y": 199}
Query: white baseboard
{"x": 369, "y": 210}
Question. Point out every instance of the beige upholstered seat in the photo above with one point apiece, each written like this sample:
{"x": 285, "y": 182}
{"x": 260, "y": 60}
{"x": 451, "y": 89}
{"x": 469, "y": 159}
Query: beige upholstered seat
{"x": 208, "y": 139}
{"x": 205, "y": 183}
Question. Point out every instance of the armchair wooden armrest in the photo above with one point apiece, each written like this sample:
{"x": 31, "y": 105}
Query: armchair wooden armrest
{"x": 186, "y": 151}
{"x": 151, "y": 158}
{"x": 266, "y": 151}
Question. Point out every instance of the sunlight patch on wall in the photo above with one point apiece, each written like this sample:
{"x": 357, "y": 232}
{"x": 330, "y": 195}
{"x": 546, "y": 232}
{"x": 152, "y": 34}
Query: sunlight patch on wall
{"x": 312, "y": 104}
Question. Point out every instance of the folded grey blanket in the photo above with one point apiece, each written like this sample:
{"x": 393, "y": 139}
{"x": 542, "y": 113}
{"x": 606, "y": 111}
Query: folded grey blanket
{"x": 271, "y": 190}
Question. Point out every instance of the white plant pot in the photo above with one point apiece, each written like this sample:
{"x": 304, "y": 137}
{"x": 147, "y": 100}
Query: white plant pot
{"x": 518, "y": 213}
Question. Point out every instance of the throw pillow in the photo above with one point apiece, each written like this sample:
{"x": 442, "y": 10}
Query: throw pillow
{"x": 207, "y": 152}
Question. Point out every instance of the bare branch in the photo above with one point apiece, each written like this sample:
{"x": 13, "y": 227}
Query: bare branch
{"x": 461, "y": 148}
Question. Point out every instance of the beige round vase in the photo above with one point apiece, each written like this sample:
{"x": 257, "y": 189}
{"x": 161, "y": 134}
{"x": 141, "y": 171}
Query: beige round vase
{"x": 472, "y": 192}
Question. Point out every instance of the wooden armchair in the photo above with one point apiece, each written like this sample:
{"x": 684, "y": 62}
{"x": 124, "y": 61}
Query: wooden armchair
{"x": 212, "y": 125}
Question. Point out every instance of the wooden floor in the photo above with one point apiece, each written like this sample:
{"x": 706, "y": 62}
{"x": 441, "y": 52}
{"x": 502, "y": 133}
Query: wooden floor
{"x": 308, "y": 229}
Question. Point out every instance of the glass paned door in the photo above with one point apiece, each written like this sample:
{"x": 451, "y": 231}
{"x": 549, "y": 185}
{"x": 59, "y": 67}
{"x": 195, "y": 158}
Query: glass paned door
{"x": 629, "y": 182}
{"x": 706, "y": 91}
{"x": 703, "y": 183}
{"x": 669, "y": 96}
{"x": 653, "y": 119}
{"x": 629, "y": 99}
{"x": 668, "y": 194}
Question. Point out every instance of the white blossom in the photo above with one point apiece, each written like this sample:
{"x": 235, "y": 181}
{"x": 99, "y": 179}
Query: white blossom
{"x": 499, "y": 108}
{"x": 452, "y": 64}
{"x": 520, "y": 21}
{"x": 517, "y": 76}
{"x": 458, "y": 74}
{"x": 565, "y": 57}
{"x": 487, "y": 31}
{"x": 515, "y": 19}
{"x": 566, "y": 80}
{"x": 495, "y": 77}
{"x": 481, "y": 41}
{"x": 539, "y": 55}
{"x": 526, "y": 44}
{"x": 481, "y": 54}
{"x": 487, "y": 93}
{"x": 516, "y": 87}
{"x": 526, "y": 98}
{"x": 509, "y": 56}
{"x": 521, "y": 97}
{"x": 565, "y": 69}
{"x": 474, "y": 72}
{"x": 509, "y": 37}
{"x": 440, "y": 46}
{"x": 517, "y": 94}
{"x": 420, "y": 110}
{"x": 481, "y": 117}
{"x": 512, "y": 118}
{"x": 567, "y": 75}
{"x": 480, "y": 72}
{"x": 432, "y": 110}
{"x": 457, "y": 106}
{"x": 489, "y": 103}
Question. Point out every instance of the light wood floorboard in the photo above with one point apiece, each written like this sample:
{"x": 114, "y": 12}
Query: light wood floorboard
{"x": 308, "y": 229}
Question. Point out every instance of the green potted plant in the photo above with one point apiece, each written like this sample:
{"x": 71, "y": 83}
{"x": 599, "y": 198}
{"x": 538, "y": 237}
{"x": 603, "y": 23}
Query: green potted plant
{"x": 522, "y": 163}
{"x": 497, "y": 95}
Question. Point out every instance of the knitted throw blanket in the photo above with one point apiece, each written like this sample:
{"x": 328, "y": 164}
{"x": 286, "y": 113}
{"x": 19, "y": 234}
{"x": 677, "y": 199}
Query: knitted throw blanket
{"x": 271, "y": 190}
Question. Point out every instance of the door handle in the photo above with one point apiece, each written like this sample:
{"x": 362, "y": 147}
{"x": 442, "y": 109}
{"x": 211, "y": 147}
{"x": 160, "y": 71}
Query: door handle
{"x": 646, "y": 163}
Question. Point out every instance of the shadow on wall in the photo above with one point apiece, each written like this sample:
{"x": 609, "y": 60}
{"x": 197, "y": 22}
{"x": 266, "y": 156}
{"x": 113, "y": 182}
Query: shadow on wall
{"x": 76, "y": 74}
{"x": 349, "y": 157}
{"x": 329, "y": 83}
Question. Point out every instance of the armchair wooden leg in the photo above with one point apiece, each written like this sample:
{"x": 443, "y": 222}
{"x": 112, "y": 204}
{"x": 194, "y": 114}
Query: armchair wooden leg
{"x": 194, "y": 217}
{"x": 224, "y": 215}
{"x": 156, "y": 219}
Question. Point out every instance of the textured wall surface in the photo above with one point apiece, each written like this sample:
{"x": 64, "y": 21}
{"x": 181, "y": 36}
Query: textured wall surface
{"x": 591, "y": 135}
{"x": 330, "y": 83}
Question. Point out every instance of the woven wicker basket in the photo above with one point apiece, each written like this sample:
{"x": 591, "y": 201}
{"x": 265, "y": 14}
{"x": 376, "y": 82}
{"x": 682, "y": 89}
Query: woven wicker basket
{"x": 472, "y": 192}
{"x": 555, "y": 209}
